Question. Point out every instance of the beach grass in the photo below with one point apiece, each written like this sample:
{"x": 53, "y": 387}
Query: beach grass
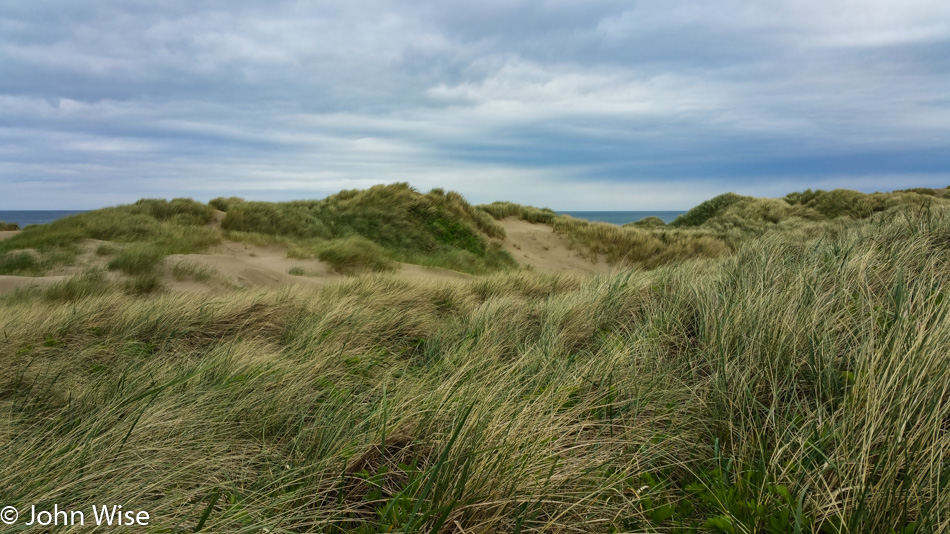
{"x": 796, "y": 384}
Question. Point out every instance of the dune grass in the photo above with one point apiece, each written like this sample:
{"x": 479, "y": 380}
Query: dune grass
{"x": 354, "y": 231}
{"x": 166, "y": 227}
{"x": 798, "y": 385}
{"x": 369, "y": 229}
{"x": 718, "y": 226}
{"x": 6, "y": 227}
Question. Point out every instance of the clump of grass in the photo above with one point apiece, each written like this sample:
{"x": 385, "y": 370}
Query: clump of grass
{"x": 106, "y": 250}
{"x": 7, "y": 227}
{"x": 191, "y": 270}
{"x": 648, "y": 222}
{"x": 143, "y": 284}
{"x": 223, "y": 204}
{"x": 502, "y": 209}
{"x": 137, "y": 259}
{"x": 297, "y": 271}
{"x": 919, "y": 190}
{"x": 706, "y": 210}
{"x": 24, "y": 262}
{"x": 354, "y": 254}
{"x": 91, "y": 283}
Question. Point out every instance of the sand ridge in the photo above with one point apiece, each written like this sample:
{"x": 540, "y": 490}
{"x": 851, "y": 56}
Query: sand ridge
{"x": 536, "y": 245}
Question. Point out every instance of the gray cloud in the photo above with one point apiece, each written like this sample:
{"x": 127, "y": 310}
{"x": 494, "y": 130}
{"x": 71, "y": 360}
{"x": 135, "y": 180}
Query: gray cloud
{"x": 598, "y": 105}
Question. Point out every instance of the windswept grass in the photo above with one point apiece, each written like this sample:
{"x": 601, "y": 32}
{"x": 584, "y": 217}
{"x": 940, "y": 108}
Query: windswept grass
{"x": 798, "y": 385}
{"x": 6, "y": 227}
{"x": 645, "y": 245}
{"x": 175, "y": 226}
{"x": 391, "y": 222}
{"x": 353, "y": 254}
{"x": 720, "y": 225}
{"x": 137, "y": 259}
{"x": 185, "y": 270}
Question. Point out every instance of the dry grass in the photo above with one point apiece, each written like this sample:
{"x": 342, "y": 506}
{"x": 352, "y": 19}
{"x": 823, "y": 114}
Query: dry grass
{"x": 795, "y": 386}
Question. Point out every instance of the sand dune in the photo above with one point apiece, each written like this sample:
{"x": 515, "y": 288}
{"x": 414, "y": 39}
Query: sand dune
{"x": 537, "y": 246}
{"x": 248, "y": 265}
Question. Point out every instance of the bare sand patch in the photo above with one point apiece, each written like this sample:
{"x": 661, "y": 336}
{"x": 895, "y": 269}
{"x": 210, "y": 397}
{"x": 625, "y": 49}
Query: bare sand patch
{"x": 7, "y": 234}
{"x": 249, "y": 265}
{"x": 537, "y": 245}
{"x": 216, "y": 217}
{"x": 9, "y": 282}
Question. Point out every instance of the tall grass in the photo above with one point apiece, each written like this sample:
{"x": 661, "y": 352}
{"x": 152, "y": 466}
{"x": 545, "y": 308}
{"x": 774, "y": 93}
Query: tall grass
{"x": 799, "y": 385}
{"x": 395, "y": 222}
{"x": 168, "y": 227}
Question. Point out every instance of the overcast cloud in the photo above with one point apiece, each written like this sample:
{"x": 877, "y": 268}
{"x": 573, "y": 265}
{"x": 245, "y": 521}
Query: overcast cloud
{"x": 594, "y": 104}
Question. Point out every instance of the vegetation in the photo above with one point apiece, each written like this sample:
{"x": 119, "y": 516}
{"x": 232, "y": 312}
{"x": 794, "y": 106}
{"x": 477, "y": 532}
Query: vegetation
{"x": 165, "y": 227}
{"x": 354, "y": 231}
{"x": 648, "y": 222}
{"x": 184, "y": 270}
{"x": 797, "y": 385}
{"x": 718, "y": 226}
{"x": 6, "y": 227}
{"x": 390, "y": 222}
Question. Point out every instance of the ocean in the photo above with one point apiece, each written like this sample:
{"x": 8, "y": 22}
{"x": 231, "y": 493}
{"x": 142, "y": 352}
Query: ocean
{"x": 27, "y": 217}
{"x": 622, "y": 217}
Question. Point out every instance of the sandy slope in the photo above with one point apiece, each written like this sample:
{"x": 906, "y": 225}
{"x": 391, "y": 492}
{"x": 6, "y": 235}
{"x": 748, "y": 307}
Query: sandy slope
{"x": 10, "y": 282}
{"x": 538, "y": 246}
{"x": 247, "y": 265}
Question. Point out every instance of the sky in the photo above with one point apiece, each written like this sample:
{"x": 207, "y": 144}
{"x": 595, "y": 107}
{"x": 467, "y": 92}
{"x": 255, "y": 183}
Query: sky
{"x": 573, "y": 105}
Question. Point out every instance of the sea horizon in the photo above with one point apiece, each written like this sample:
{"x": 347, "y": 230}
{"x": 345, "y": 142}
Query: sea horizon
{"x": 28, "y": 217}
{"x": 623, "y": 217}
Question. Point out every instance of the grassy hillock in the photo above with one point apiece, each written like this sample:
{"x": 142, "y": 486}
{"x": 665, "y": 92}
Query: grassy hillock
{"x": 157, "y": 227}
{"x": 352, "y": 230}
{"x": 797, "y": 385}
{"x": 720, "y": 225}
{"x": 375, "y": 226}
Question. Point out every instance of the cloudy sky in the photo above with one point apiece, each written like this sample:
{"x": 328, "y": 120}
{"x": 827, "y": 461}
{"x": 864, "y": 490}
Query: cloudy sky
{"x": 571, "y": 104}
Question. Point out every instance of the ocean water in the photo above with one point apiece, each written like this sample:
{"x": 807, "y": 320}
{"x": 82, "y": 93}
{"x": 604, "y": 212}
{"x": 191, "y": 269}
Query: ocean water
{"x": 24, "y": 218}
{"x": 623, "y": 217}
{"x": 27, "y": 217}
